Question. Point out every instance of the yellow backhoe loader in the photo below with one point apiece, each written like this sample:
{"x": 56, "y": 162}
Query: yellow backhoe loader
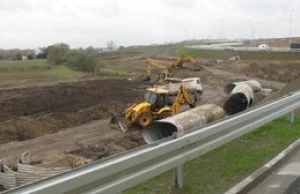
{"x": 163, "y": 76}
{"x": 154, "y": 107}
{"x": 179, "y": 62}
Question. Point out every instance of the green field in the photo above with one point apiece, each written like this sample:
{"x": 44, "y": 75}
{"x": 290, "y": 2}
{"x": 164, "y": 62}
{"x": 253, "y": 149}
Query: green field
{"x": 23, "y": 64}
{"x": 121, "y": 67}
{"x": 217, "y": 171}
{"x": 34, "y": 71}
{"x": 245, "y": 55}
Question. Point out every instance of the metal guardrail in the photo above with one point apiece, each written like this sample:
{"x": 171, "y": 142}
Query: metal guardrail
{"x": 115, "y": 174}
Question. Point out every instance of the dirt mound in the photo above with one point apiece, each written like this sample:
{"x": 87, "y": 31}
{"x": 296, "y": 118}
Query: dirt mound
{"x": 110, "y": 146}
{"x": 38, "y": 111}
{"x": 24, "y": 128}
{"x": 66, "y": 97}
{"x": 290, "y": 87}
{"x": 92, "y": 140}
{"x": 269, "y": 70}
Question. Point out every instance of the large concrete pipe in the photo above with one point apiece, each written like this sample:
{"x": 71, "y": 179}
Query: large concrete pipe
{"x": 253, "y": 84}
{"x": 241, "y": 97}
{"x": 182, "y": 122}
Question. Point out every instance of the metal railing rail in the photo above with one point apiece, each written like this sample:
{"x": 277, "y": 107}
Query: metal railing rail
{"x": 118, "y": 173}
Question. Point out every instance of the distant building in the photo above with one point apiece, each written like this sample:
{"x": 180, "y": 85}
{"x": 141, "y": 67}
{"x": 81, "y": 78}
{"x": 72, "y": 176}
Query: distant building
{"x": 24, "y": 58}
{"x": 264, "y": 47}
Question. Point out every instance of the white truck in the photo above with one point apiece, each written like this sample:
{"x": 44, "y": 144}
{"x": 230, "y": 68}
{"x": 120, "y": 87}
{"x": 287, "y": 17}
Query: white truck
{"x": 192, "y": 84}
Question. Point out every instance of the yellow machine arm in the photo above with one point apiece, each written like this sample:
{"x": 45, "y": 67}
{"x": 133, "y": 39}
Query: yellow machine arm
{"x": 182, "y": 59}
{"x": 152, "y": 63}
{"x": 182, "y": 95}
{"x": 189, "y": 59}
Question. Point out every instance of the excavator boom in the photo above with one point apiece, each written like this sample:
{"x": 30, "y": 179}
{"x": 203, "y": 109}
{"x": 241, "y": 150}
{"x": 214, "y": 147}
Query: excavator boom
{"x": 181, "y": 60}
{"x": 163, "y": 76}
{"x": 152, "y": 63}
{"x": 183, "y": 95}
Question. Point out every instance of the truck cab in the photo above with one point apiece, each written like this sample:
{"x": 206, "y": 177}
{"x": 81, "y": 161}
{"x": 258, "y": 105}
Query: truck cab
{"x": 193, "y": 84}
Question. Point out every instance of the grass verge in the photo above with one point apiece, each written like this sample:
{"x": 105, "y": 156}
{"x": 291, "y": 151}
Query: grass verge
{"x": 220, "y": 169}
{"x": 120, "y": 67}
{"x": 64, "y": 72}
{"x": 245, "y": 55}
{"x": 20, "y": 76}
{"x": 23, "y": 64}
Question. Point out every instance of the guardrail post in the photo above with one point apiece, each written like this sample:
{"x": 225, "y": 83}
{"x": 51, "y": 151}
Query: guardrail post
{"x": 178, "y": 175}
{"x": 291, "y": 117}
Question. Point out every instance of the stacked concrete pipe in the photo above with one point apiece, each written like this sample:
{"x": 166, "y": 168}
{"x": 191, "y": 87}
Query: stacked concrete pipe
{"x": 241, "y": 96}
{"x": 182, "y": 122}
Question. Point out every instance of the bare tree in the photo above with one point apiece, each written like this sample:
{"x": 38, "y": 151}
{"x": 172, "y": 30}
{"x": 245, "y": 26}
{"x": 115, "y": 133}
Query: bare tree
{"x": 111, "y": 45}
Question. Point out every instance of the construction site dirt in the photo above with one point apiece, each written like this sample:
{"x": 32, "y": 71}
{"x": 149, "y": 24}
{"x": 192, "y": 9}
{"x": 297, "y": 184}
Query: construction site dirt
{"x": 72, "y": 117}
{"x": 32, "y": 116}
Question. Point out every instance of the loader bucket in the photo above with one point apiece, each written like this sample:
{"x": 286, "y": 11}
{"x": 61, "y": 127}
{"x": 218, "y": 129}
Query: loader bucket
{"x": 120, "y": 123}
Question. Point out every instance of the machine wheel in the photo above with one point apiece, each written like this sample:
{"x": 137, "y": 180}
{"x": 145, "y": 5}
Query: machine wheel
{"x": 144, "y": 119}
{"x": 194, "y": 99}
{"x": 164, "y": 115}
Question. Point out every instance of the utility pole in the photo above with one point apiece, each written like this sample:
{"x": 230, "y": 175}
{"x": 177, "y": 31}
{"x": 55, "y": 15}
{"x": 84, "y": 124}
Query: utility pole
{"x": 252, "y": 32}
{"x": 291, "y": 24}
{"x": 220, "y": 28}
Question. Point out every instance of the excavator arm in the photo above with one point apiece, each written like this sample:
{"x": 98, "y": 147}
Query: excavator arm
{"x": 189, "y": 59}
{"x": 181, "y": 59}
{"x": 182, "y": 95}
{"x": 152, "y": 63}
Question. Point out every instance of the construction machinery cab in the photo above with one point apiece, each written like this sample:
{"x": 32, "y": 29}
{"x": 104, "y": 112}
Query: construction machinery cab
{"x": 158, "y": 98}
{"x": 163, "y": 76}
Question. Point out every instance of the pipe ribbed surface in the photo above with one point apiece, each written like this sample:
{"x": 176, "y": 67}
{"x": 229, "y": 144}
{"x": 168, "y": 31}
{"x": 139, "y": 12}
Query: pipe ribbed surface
{"x": 182, "y": 122}
{"x": 26, "y": 173}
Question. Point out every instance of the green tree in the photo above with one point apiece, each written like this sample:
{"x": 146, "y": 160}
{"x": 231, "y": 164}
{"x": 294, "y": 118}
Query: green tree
{"x": 90, "y": 49}
{"x": 121, "y": 47}
{"x": 19, "y": 55}
{"x": 30, "y": 56}
{"x": 57, "y": 53}
{"x": 111, "y": 45}
{"x": 81, "y": 61}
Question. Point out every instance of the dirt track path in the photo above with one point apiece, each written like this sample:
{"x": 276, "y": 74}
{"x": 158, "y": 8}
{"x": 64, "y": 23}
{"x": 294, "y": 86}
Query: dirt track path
{"x": 234, "y": 76}
{"x": 96, "y": 138}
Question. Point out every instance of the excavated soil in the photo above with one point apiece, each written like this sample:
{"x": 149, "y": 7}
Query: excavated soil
{"x": 52, "y": 117}
{"x": 94, "y": 140}
{"x": 290, "y": 87}
{"x": 36, "y": 111}
{"x": 65, "y": 97}
{"x": 280, "y": 71}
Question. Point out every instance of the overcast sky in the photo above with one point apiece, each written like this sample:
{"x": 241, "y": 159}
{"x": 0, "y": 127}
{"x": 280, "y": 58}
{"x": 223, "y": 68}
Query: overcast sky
{"x": 81, "y": 23}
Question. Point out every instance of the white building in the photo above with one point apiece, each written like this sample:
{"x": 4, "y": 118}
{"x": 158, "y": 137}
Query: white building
{"x": 264, "y": 47}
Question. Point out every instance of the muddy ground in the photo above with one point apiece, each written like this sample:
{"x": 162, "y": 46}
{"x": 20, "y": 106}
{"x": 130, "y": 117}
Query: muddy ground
{"x": 35, "y": 111}
{"x": 71, "y": 117}
{"x": 32, "y": 116}
{"x": 280, "y": 71}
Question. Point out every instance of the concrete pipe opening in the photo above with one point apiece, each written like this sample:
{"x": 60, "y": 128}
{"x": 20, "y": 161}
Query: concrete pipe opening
{"x": 158, "y": 130}
{"x": 182, "y": 122}
{"x": 239, "y": 100}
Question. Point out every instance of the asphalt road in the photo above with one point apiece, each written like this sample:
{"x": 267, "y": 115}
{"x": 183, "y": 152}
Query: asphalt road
{"x": 286, "y": 180}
